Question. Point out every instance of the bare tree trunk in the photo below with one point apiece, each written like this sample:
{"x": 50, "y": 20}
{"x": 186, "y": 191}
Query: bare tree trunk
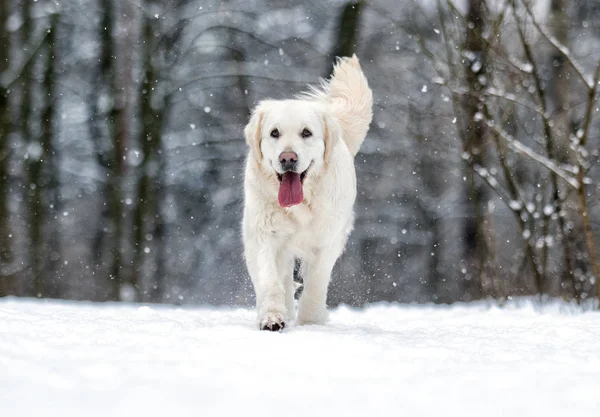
{"x": 560, "y": 85}
{"x": 53, "y": 251}
{"x": 582, "y": 192}
{"x": 5, "y": 229}
{"x": 108, "y": 241}
{"x": 43, "y": 179}
{"x": 558, "y": 97}
{"x": 26, "y": 115}
{"x": 37, "y": 154}
{"x": 147, "y": 215}
{"x": 476, "y": 250}
{"x": 157, "y": 287}
{"x": 347, "y": 32}
{"x": 101, "y": 252}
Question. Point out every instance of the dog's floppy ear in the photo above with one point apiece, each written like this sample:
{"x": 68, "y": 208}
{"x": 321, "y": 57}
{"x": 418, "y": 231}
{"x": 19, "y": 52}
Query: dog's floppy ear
{"x": 332, "y": 134}
{"x": 253, "y": 132}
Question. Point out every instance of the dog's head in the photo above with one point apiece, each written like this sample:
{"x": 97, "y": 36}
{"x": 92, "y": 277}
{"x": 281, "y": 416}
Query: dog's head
{"x": 293, "y": 140}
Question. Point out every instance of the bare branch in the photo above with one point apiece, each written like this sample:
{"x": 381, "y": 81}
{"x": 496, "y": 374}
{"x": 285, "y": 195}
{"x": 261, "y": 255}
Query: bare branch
{"x": 12, "y": 74}
{"x": 527, "y": 151}
{"x": 559, "y": 47}
{"x": 590, "y": 106}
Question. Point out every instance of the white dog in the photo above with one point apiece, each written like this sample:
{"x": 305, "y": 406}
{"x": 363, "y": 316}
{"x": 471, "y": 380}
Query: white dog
{"x": 300, "y": 187}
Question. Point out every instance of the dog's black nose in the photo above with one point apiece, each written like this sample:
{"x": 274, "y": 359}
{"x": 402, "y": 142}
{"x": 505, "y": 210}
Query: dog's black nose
{"x": 288, "y": 160}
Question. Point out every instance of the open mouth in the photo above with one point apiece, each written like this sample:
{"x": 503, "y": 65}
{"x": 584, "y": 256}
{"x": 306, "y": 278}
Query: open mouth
{"x": 290, "y": 188}
{"x": 302, "y": 175}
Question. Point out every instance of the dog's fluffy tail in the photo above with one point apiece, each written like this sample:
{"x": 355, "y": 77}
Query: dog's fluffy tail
{"x": 348, "y": 94}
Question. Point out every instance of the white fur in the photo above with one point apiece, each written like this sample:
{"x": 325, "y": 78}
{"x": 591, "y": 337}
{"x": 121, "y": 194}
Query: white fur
{"x": 316, "y": 231}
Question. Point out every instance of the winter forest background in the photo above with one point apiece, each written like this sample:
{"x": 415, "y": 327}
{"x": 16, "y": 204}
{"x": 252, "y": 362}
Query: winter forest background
{"x": 121, "y": 147}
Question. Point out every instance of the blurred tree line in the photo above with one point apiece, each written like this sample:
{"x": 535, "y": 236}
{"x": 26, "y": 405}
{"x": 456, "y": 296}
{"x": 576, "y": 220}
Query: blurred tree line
{"x": 121, "y": 147}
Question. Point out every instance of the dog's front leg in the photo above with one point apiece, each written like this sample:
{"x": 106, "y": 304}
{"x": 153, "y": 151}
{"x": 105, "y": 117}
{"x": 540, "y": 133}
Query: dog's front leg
{"x": 312, "y": 307}
{"x": 268, "y": 286}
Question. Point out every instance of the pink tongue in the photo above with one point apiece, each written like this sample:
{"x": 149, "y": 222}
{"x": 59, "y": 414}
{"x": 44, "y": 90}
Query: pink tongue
{"x": 290, "y": 190}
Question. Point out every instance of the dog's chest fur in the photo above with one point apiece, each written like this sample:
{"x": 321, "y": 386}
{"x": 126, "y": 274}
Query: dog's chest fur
{"x": 301, "y": 215}
{"x": 302, "y": 230}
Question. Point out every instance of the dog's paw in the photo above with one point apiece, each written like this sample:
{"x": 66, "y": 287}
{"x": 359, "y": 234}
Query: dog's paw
{"x": 272, "y": 321}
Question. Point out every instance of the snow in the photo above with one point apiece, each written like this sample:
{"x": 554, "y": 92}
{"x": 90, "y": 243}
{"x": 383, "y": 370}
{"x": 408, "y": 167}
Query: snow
{"x": 84, "y": 359}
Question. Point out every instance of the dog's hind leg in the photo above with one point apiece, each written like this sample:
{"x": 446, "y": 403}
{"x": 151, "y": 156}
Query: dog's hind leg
{"x": 286, "y": 270}
{"x": 312, "y": 306}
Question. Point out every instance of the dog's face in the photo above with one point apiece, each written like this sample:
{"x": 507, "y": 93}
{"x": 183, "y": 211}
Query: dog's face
{"x": 291, "y": 139}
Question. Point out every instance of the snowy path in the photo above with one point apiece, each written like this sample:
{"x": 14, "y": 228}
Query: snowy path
{"x": 80, "y": 359}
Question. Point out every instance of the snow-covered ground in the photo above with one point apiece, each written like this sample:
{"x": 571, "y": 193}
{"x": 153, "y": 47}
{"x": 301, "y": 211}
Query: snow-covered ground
{"x": 83, "y": 359}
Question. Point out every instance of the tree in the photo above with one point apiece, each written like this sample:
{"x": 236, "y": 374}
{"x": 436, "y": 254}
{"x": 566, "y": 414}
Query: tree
{"x": 38, "y": 112}
{"x": 52, "y": 245}
{"x": 5, "y": 229}
{"x": 347, "y": 33}
{"x": 110, "y": 131}
{"x": 148, "y": 224}
{"x": 476, "y": 252}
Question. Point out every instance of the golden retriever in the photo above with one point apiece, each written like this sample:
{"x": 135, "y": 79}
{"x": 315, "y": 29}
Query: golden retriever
{"x": 299, "y": 192}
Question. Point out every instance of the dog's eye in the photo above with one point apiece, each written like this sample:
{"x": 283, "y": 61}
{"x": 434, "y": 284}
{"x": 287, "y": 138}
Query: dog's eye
{"x": 275, "y": 133}
{"x": 306, "y": 133}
